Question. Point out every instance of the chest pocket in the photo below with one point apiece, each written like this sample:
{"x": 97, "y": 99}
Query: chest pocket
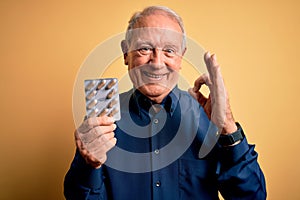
{"x": 197, "y": 179}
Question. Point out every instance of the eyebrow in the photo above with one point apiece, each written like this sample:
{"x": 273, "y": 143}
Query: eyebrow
{"x": 147, "y": 42}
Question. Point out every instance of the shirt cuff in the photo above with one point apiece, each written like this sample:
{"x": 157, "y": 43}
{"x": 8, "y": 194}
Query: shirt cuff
{"x": 232, "y": 154}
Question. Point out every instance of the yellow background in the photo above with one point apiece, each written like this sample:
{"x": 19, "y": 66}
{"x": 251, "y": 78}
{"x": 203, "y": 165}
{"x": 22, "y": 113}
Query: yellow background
{"x": 43, "y": 44}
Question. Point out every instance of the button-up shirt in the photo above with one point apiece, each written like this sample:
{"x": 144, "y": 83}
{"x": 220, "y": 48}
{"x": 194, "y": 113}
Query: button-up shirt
{"x": 166, "y": 152}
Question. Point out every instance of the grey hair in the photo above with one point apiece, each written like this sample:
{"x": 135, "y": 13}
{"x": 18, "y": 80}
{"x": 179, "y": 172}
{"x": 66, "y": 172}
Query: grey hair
{"x": 150, "y": 11}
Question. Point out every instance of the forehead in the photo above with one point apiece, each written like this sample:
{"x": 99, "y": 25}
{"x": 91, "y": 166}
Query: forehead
{"x": 156, "y": 36}
{"x": 157, "y": 29}
{"x": 158, "y": 19}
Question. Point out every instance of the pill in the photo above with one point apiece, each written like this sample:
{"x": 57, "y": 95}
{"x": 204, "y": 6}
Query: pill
{"x": 90, "y": 85}
{"x": 101, "y": 84}
{"x": 110, "y": 94}
{"x": 92, "y": 104}
{"x": 113, "y": 112}
{"x": 102, "y": 98}
{"x": 104, "y": 111}
{"x": 111, "y": 83}
{"x": 112, "y": 103}
{"x": 91, "y": 95}
{"x": 94, "y": 112}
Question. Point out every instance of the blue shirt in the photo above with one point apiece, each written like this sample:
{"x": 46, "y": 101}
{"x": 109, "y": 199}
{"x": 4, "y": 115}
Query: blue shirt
{"x": 167, "y": 154}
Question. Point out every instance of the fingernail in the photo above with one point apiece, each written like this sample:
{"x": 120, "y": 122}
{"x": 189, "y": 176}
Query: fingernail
{"x": 208, "y": 54}
{"x": 190, "y": 90}
{"x": 215, "y": 57}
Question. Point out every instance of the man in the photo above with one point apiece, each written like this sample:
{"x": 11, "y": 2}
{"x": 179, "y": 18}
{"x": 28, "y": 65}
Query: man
{"x": 176, "y": 154}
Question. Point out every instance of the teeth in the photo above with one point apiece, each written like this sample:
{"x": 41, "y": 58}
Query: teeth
{"x": 153, "y": 75}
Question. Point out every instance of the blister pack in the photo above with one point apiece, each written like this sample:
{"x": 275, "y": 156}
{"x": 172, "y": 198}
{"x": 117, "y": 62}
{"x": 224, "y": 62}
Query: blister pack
{"x": 102, "y": 98}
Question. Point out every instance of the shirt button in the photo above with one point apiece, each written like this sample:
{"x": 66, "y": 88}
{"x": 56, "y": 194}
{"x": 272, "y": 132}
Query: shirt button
{"x": 155, "y": 121}
{"x": 157, "y": 184}
{"x": 156, "y": 151}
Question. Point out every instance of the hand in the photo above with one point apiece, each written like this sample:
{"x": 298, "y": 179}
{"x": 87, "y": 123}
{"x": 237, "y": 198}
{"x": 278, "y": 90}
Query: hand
{"x": 216, "y": 106}
{"x": 94, "y": 138}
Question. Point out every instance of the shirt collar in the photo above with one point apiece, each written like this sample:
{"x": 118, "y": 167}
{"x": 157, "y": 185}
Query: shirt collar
{"x": 140, "y": 101}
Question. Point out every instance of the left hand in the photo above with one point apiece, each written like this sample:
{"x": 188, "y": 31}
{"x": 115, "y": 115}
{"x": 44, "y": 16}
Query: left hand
{"x": 216, "y": 106}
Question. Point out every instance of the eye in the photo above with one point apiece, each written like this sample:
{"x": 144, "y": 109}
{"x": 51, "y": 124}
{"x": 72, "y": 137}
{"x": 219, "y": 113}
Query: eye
{"x": 169, "y": 51}
{"x": 145, "y": 50}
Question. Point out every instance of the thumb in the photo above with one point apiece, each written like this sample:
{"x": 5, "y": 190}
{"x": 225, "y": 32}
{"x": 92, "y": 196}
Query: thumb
{"x": 198, "y": 96}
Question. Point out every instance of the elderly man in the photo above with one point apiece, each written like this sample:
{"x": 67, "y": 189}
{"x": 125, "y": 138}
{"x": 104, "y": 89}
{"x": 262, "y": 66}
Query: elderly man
{"x": 181, "y": 145}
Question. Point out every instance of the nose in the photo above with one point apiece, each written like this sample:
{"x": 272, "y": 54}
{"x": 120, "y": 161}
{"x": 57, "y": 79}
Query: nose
{"x": 157, "y": 57}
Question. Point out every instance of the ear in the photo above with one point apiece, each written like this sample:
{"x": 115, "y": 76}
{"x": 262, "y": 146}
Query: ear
{"x": 183, "y": 52}
{"x": 124, "y": 47}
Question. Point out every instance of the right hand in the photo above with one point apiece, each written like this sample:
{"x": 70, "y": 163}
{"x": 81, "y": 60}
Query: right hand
{"x": 94, "y": 138}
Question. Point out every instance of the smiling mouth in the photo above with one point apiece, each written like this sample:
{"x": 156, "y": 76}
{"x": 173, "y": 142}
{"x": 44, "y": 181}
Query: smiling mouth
{"x": 154, "y": 76}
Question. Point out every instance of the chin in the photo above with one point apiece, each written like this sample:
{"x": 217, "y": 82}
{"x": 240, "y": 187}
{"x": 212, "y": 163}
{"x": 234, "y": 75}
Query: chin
{"x": 154, "y": 90}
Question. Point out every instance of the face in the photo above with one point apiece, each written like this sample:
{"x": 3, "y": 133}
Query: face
{"x": 154, "y": 56}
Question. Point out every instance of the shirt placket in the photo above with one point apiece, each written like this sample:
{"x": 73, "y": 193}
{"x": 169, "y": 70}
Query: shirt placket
{"x": 156, "y": 127}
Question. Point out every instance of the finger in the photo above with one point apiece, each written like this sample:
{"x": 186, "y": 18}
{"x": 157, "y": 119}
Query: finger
{"x": 102, "y": 151}
{"x": 211, "y": 64}
{"x": 92, "y": 122}
{"x": 100, "y": 141}
{"x": 90, "y": 159}
{"x": 79, "y": 144}
{"x": 96, "y": 159}
{"x": 105, "y": 120}
{"x": 207, "y": 57}
{"x": 193, "y": 93}
{"x": 110, "y": 144}
{"x": 103, "y": 158}
{"x": 198, "y": 96}
{"x": 97, "y": 132}
{"x": 214, "y": 60}
{"x": 215, "y": 67}
{"x": 203, "y": 79}
{"x": 94, "y": 162}
{"x": 88, "y": 124}
{"x": 210, "y": 60}
{"x": 96, "y": 155}
{"x": 208, "y": 107}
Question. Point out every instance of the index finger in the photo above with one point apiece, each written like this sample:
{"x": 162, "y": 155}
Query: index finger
{"x": 92, "y": 122}
{"x": 203, "y": 79}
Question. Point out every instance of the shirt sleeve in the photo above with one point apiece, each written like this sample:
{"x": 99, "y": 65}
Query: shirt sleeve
{"x": 240, "y": 176}
{"x": 82, "y": 181}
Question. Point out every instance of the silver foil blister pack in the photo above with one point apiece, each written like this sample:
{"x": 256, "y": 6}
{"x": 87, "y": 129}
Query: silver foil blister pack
{"x": 102, "y": 98}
